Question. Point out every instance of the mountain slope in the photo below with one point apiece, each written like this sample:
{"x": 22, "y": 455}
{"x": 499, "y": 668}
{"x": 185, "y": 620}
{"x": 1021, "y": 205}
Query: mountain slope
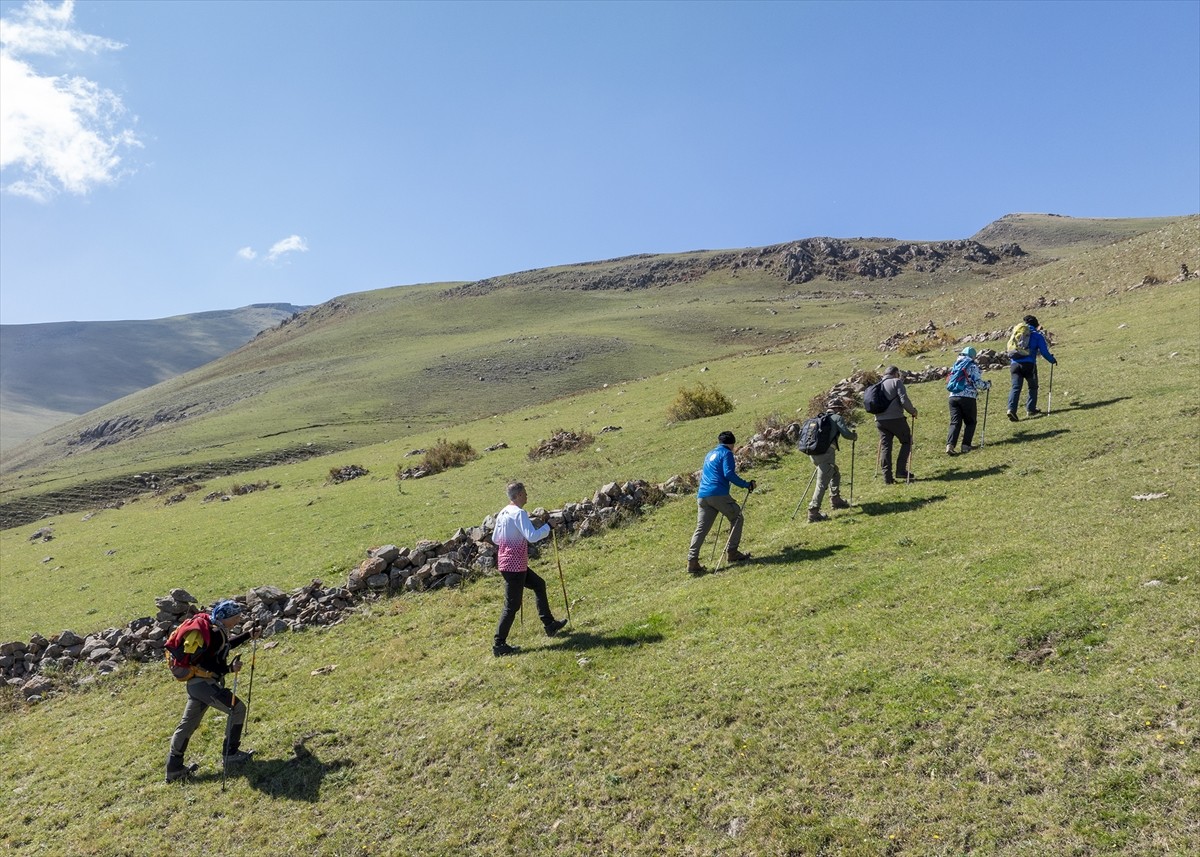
{"x": 52, "y": 372}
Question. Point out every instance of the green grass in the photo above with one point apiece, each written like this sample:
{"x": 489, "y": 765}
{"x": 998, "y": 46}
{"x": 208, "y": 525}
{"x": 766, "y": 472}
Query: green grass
{"x": 860, "y": 687}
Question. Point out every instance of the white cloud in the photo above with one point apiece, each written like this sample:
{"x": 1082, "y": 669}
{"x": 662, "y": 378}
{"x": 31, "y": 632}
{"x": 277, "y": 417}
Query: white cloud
{"x": 247, "y": 253}
{"x": 291, "y": 244}
{"x": 57, "y": 133}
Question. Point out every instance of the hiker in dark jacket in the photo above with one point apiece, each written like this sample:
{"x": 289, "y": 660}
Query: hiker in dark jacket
{"x": 893, "y": 424}
{"x": 1024, "y": 370}
{"x": 966, "y": 381}
{"x": 206, "y": 688}
{"x": 712, "y": 499}
{"x": 828, "y": 474}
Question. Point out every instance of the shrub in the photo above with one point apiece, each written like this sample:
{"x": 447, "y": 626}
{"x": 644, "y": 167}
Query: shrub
{"x": 560, "y": 441}
{"x": 920, "y": 345}
{"x": 697, "y": 402}
{"x": 446, "y": 454}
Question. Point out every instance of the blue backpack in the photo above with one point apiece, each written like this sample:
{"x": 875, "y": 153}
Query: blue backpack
{"x": 959, "y": 380}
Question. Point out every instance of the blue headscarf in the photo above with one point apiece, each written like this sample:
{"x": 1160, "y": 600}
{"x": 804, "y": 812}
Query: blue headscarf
{"x": 224, "y": 609}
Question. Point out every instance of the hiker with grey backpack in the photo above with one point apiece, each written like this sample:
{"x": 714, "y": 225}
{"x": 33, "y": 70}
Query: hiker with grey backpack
{"x": 819, "y": 441}
{"x": 1024, "y": 345}
{"x": 964, "y": 383}
{"x": 198, "y": 652}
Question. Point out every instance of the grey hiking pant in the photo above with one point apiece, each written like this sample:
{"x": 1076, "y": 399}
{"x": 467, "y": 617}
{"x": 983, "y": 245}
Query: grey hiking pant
{"x": 828, "y": 476}
{"x": 707, "y": 509}
{"x": 203, "y": 694}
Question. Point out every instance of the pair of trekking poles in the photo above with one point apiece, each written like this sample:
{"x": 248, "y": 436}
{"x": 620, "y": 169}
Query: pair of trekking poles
{"x": 561, "y": 579}
{"x": 233, "y": 704}
{"x": 717, "y": 537}
{"x": 808, "y": 487}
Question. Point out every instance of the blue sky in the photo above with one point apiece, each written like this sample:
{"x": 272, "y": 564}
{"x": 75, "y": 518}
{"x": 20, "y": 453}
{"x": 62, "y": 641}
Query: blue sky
{"x": 161, "y": 158}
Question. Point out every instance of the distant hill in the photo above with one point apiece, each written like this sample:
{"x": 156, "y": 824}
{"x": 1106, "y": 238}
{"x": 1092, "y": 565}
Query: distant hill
{"x": 372, "y": 366}
{"x": 52, "y": 372}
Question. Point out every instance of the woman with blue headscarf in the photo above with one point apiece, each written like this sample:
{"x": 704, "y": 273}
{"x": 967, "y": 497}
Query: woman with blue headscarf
{"x": 964, "y": 382}
{"x": 204, "y": 642}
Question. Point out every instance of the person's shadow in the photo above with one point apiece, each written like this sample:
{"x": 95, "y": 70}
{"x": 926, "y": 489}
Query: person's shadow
{"x": 793, "y": 554}
{"x": 580, "y": 641}
{"x": 962, "y": 475}
{"x": 1087, "y": 406}
{"x": 297, "y": 778}
{"x": 1020, "y": 435}
{"x": 891, "y": 507}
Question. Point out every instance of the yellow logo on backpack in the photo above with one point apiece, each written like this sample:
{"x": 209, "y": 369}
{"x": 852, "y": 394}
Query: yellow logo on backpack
{"x": 1018, "y": 341}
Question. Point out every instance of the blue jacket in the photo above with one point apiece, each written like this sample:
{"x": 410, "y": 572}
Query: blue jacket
{"x": 1037, "y": 343}
{"x": 718, "y": 473}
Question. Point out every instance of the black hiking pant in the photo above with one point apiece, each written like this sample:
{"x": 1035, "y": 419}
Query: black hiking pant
{"x": 515, "y": 584}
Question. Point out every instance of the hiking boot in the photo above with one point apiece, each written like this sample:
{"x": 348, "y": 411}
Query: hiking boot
{"x": 1033, "y": 413}
{"x": 695, "y": 568}
{"x": 1012, "y": 416}
{"x": 950, "y": 450}
{"x": 554, "y": 627}
{"x": 838, "y": 503}
{"x": 736, "y": 556}
{"x": 238, "y": 756}
{"x": 814, "y": 515}
{"x": 888, "y": 480}
{"x": 907, "y": 477}
{"x": 501, "y": 649}
{"x": 183, "y": 772}
{"x": 966, "y": 447}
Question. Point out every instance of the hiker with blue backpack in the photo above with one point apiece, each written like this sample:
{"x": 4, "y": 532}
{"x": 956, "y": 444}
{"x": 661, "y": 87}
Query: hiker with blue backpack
{"x": 198, "y": 653}
{"x": 1024, "y": 345}
{"x": 819, "y": 440}
{"x": 963, "y": 383}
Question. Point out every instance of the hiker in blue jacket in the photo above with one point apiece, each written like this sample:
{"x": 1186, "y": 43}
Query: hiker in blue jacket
{"x": 712, "y": 498}
{"x": 1024, "y": 369}
{"x": 964, "y": 383}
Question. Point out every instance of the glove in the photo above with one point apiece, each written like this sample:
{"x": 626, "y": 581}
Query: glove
{"x": 753, "y": 484}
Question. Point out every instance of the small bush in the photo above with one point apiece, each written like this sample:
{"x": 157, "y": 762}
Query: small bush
{"x": 771, "y": 421}
{"x": 920, "y": 345}
{"x": 698, "y": 402}
{"x": 446, "y": 454}
{"x": 559, "y": 442}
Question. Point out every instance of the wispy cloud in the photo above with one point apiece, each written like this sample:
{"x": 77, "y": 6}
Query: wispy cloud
{"x": 291, "y": 244}
{"x": 57, "y": 132}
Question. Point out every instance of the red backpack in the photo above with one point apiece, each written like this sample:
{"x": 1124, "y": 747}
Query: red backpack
{"x": 179, "y": 662}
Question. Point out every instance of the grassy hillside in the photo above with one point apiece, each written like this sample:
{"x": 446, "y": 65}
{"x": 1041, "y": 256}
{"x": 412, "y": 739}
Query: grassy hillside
{"x": 52, "y": 372}
{"x": 997, "y": 659}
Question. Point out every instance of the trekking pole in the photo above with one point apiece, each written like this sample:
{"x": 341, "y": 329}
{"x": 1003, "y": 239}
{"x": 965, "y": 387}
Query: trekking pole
{"x": 1050, "y": 393}
{"x": 228, "y": 730}
{"x": 986, "y": 397}
{"x": 912, "y": 449}
{"x": 250, "y": 692}
{"x": 561, "y": 579}
{"x": 852, "y": 443}
{"x": 805, "y": 494}
{"x": 741, "y": 509}
{"x": 716, "y": 538}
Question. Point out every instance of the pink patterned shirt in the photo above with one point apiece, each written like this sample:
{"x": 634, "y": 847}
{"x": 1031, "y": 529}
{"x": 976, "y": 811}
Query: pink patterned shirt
{"x": 512, "y": 535}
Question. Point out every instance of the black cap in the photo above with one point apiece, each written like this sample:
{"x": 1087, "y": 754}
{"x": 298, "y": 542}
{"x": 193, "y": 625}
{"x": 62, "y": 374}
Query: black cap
{"x": 726, "y": 437}
{"x": 1031, "y": 320}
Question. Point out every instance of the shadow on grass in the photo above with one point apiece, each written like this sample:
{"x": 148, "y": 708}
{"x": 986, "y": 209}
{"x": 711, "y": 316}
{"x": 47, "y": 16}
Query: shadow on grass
{"x": 297, "y": 778}
{"x": 794, "y": 553}
{"x": 581, "y": 641}
{"x": 1087, "y": 406}
{"x": 893, "y": 506}
{"x": 1020, "y": 435}
{"x": 960, "y": 475}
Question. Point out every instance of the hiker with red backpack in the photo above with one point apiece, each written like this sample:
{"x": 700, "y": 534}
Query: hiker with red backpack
{"x": 964, "y": 383}
{"x": 1024, "y": 345}
{"x": 198, "y": 653}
